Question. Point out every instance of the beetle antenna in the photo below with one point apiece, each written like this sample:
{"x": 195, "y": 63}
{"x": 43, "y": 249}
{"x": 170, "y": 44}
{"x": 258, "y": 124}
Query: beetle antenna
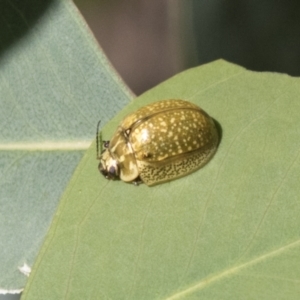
{"x": 98, "y": 141}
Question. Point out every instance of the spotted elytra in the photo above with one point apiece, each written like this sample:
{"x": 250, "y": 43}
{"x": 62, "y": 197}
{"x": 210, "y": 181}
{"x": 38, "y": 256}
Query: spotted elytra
{"x": 159, "y": 142}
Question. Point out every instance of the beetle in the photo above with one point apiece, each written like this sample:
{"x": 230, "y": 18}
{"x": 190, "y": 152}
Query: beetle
{"x": 159, "y": 142}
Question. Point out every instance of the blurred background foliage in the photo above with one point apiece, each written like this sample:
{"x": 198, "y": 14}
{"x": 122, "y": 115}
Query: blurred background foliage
{"x": 149, "y": 41}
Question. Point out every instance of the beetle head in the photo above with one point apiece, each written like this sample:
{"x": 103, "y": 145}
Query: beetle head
{"x": 108, "y": 166}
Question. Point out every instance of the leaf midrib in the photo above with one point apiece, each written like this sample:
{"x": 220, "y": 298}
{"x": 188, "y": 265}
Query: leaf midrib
{"x": 47, "y": 146}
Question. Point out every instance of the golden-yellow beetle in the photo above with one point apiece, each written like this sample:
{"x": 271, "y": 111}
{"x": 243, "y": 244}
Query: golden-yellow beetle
{"x": 160, "y": 142}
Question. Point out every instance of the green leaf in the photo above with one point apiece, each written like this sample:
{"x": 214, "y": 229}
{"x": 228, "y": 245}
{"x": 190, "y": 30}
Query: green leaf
{"x": 55, "y": 85}
{"x": 227, "y": 231}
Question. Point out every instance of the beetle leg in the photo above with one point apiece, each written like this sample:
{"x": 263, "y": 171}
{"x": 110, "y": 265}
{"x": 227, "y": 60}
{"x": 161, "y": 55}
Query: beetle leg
{"x": 137, "y": 181}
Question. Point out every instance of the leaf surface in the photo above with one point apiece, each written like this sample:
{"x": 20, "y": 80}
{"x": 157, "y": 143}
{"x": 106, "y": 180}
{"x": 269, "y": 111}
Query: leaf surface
{"x": 227, "y": 231}
{"x": 55, "y": 85}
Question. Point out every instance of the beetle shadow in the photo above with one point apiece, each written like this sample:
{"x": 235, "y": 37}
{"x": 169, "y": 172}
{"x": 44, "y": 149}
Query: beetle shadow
{"x": 219, "y": 130}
